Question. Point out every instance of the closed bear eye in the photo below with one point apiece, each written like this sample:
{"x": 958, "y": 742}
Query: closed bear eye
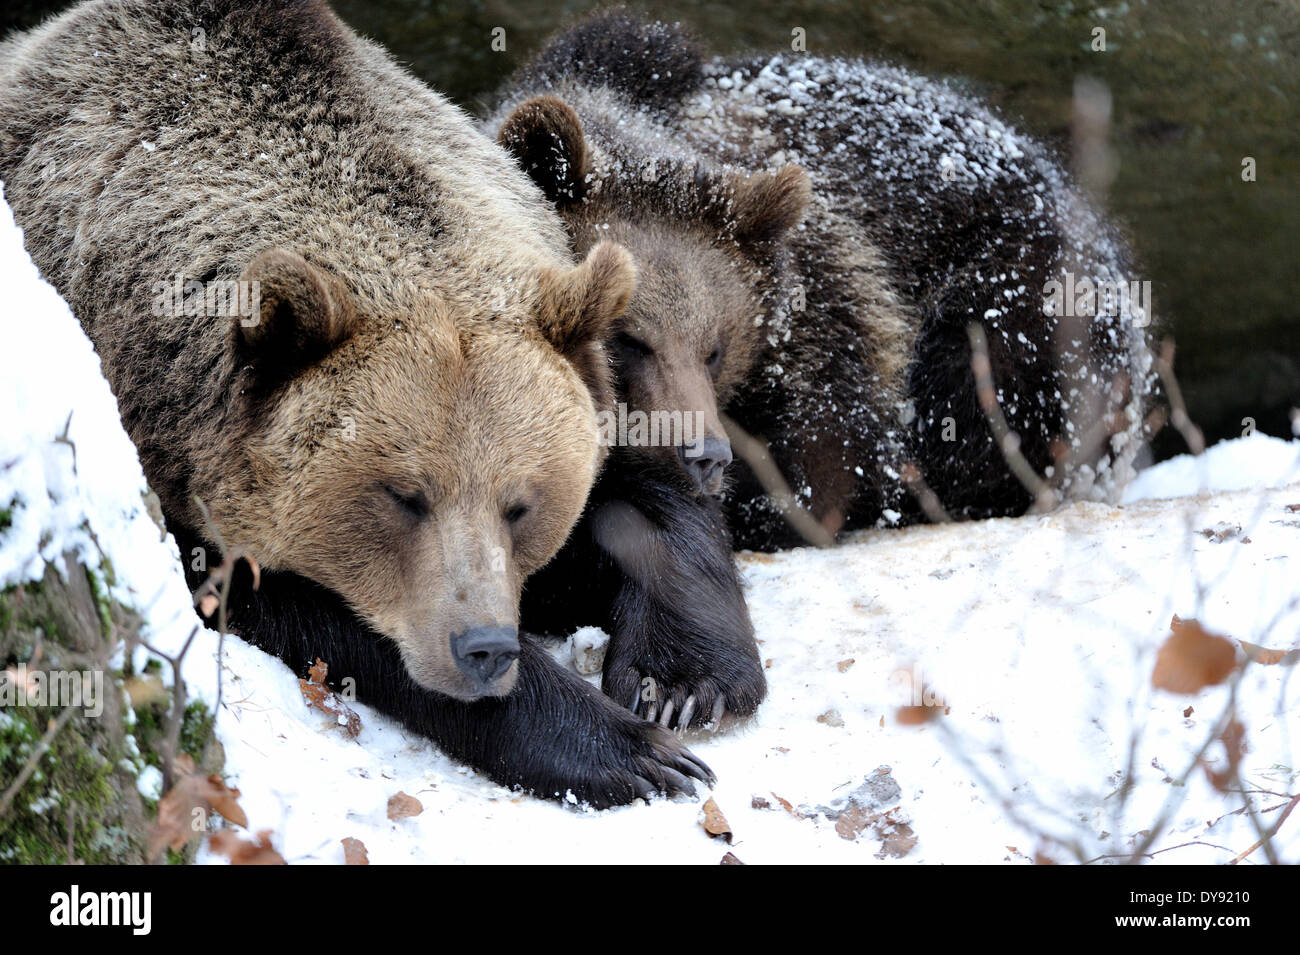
{"x": 631, "y": 345}
{"x": 714, "y": 361}
{"x": 414, "y": 504}
{"x": 516, "y": 513}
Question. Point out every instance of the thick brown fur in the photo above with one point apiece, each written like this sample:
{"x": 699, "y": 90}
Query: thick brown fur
{"x": 926, "y": 213}
{"x": 406, "y": 419}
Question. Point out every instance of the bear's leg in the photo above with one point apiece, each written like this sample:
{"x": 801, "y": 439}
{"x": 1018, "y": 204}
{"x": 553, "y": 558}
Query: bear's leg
{"x": 552, "y": 735}
{"x": 682, "y": 648}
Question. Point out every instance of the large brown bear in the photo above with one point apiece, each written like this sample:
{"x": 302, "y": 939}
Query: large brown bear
{"x": 813, "y": 239}
{"x": 349, "y": 340}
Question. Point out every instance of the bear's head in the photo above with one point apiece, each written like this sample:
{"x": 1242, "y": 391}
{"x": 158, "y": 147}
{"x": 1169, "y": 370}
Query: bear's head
{"x": 710, "y": 246}
{"x": 420, "y": 467}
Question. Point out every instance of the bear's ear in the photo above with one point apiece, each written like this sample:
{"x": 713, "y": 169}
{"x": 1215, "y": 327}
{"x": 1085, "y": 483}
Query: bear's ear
{"x": 766, "y": 204}
{"x": 578, "y": 305}
{"x": 300, "y": 314}
{"x": 545, "y": 136}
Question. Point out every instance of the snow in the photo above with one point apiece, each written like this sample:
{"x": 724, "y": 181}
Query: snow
{"x": 1037, "y": 634}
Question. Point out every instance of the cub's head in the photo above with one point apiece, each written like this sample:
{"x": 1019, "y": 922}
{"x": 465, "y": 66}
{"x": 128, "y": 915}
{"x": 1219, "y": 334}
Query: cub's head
{"x": 709, "y": 244}
{"x": 419, "y": 467}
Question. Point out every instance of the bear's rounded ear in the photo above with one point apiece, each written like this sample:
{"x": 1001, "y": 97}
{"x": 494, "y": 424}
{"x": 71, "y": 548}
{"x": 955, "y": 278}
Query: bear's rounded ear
{"x": 766, "y": 204}
{"x": 299, "y": 314}
{"x": 545, "y": 137}
{"x": 578, "y": 305}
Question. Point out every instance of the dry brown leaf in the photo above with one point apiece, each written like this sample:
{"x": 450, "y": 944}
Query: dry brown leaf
{"x": 851, "y": 822}
{"x": 318, "y": 696}
{"x": 354, "y": 852}
{"x": 1264, "y": 655}
{"x": 1188, "y": 712}
{"x": 1191, "y": 659}
{"x": 240, "y": 852}
{"x": 915, "y": 715}
{"x": 402, "y": 806}
{"x": 730, "y": 859}
{"x": 896, "y": 837}
{"x": 788, "y": 806}
{"x": 1234, "y": 746}
{"x": 714, "y": 822}
{"x": 758, "y": 802}
{"x": 843, "y": 665}
{"x": 174, "y": 824}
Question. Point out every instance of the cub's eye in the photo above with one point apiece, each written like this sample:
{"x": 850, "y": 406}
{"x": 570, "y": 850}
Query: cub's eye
{"x": 630, "y": 345}
{"x": 414, "y": 504}
{"x": 516, "y": 514}
{"x": 714, "y": 361}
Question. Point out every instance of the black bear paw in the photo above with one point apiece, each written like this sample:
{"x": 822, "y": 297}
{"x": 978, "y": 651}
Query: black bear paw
{"x": 697, "y": 689}
{"x": 642, "y": 760}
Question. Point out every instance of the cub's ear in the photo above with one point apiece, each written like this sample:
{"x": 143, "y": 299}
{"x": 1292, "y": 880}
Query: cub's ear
{"x": 577, "y": 306}
{"x": 766, "y": 204}
{"x": 545, "y": 136}
{"x": 299, "y": 314}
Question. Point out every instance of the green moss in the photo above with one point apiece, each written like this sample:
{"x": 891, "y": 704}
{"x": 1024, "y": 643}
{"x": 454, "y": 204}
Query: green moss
{"x": 71, "y": 803}
{"x": 103, "y": 603}
{"x": 82, "y": 802}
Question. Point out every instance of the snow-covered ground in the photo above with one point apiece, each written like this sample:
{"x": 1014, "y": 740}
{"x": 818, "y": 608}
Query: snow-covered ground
{"x": 1038, "y": 635}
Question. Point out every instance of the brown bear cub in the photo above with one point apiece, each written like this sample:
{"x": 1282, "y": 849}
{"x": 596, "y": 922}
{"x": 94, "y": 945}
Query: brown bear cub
{"x": 813, "y": 238}
{"x": 828, "y": 295}
{"x": 350, "y": 341}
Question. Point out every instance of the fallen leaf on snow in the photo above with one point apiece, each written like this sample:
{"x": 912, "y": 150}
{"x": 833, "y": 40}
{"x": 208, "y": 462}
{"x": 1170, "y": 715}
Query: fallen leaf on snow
{"x": 788, "y": 806}
{"x": 1191, "y": 658}
{"x": 402, "y": 806}
{"x": 714, "y": 822}
{"x": 239, "y": 852}
{"x": 1269, "y": 657}
{"x": 188, "y": 801}
{"x": 730, "y": 859}
{"x": 915, "y": 715}
{"x": 354, "y": 852}
{"x": 1234, "y": 746}
{"x": 318, "y": 696}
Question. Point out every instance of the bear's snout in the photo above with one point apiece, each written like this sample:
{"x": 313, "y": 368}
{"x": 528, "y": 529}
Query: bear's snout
{"x": 484, "y": 654}
{"x": 706, "y": 462}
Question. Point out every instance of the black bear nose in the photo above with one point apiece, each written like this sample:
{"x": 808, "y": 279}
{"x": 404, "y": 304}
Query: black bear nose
{"x": 485, "y": 653}
{"x": 706, "y": 466}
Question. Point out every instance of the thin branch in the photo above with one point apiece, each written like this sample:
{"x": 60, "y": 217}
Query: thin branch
{"x": 1008, "y": 442}
{"x": 755, "y": 452}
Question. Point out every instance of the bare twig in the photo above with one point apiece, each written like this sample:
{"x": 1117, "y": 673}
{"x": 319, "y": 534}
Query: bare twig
{"x": 1164, "y": 361}
{"x": 1008, "y": 442}
{"x": 925, "y": 496}
{"x": 1266, "y": 840}
{"x": 34, "y": 759}
{"x": 756, "y": 454}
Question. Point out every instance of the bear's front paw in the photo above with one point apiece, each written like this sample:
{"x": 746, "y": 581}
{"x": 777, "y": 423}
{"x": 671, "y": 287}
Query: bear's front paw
{"x": 695, "y": 686}
{"x": 639, "y": 760}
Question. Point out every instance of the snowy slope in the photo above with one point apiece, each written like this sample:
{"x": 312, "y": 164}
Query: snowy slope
{"x": 1040, "y": 634}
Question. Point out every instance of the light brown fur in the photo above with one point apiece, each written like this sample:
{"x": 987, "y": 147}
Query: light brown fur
{"x": 424, "y": 335}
